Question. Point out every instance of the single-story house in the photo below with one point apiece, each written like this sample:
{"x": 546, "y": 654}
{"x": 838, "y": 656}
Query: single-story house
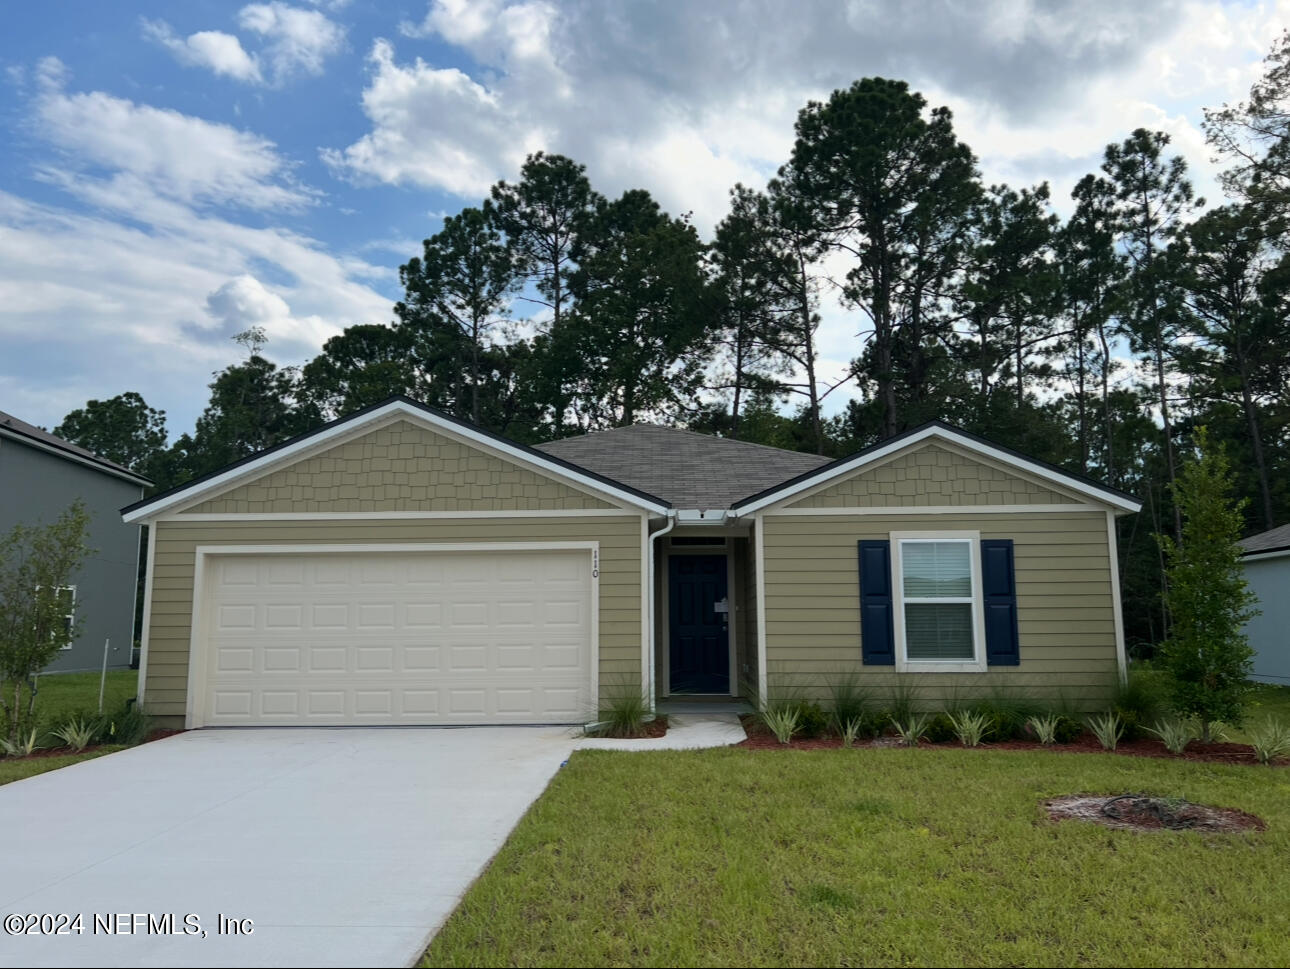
{"x": 398, "y": 566}
{"x": 40, "y": 476}
{"x": 1267, "y": 570}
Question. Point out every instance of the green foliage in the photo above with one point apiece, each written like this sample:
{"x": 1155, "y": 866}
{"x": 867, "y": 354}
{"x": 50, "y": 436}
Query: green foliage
{"x": 940, "y": 728}
{"x": 1005, "y": 714}
{"x": 76, "y": 733}
{"x": 20, "y": 745}
{"x": 1206, "y": 653}
{"x": 127, "y": 727}
{"x": 1044, "y": 728}
{"x": 911, "y": 728}
{"x": 850, "y": 731}
{"x": 1069, "y": 730}
{"x": 623, "y": 714}
{"x": 37, "y": 563}
{"x": 1142, "y": 699}
{"x": 812, "y": 721}
{"x": 781, "y": 719}
{"x": 903, "y": 699}
{"x": 851, "y": 702}
{"x": 123, "y": 429}
{"x": 971, "y": 728}
{"x": 1176, "y": 734}
{"x": 1108, "y": 728}
{"x": 1270, "y": 740}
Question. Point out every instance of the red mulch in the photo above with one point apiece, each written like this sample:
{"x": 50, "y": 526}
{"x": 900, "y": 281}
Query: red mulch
{"x": 656, "y": 728}
{"x": 760, "y": 738}
{"x": 1140, "y": 812}
{"x": 158, "y": 734}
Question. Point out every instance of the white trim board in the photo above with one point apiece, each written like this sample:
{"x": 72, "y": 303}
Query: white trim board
{"x": 965, "y": 510}
{"x": 260, "y": 516}
{"x": 944, "y": 434}
{"x": 147, "y": 614}
{"x": 346, "y": 429}
{"x": 194, "y": 715}
{"x": 759, "y": 566}
{"x": 1117, "y": 609}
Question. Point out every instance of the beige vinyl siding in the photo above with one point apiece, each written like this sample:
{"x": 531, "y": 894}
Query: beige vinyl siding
{"x": 172, "y": 591}
{"x": 930, "y": 475}
{"x": 1064, "y": 603}
{"x": 400, "y": 467}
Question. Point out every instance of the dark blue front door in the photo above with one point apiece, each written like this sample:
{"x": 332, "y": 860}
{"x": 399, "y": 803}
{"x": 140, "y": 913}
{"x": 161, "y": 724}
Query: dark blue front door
{"x": 699, "y": 637}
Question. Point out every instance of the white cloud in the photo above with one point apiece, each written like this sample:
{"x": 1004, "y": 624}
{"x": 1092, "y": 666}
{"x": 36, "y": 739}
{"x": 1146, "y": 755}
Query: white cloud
{"x": 297, "y": 41}
{"x": 161, "y": 153}
{"x": 220, "y": 52}
{"x": 293, "y": 41}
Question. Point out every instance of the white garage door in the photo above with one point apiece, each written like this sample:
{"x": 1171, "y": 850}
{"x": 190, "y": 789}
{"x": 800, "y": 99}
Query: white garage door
{"x": 396, "y": 638}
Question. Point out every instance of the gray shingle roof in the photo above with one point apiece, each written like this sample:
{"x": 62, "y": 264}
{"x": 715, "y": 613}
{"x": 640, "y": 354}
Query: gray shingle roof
{"x": 690, "y": 470}
{"x": 1272, "y": 540}
{"x": 20, "y": 429}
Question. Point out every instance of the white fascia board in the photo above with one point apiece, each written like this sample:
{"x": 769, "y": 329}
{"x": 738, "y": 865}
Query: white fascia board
{"x": 706, "y": 516}
{"x": 351, "y": 428}
{"x": 1003, "y": 457}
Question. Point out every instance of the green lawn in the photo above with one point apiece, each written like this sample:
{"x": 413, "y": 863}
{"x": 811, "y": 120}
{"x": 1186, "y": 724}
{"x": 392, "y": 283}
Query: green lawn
{"x": 62, "y": 694}
{"x": 874, "y": 857}
{"x": 16, "y": 770}
{"x": 1265, "y": 701}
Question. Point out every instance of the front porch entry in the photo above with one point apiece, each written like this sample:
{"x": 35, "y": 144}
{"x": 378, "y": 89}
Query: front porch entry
{"x": 700, "y": 643}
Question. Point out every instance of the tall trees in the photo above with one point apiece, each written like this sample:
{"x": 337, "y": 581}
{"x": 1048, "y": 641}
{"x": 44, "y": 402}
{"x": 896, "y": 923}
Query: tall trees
{"x": 1238, "y": 291}
{"x": 457, "y": 293}
{"x": 1153, "y": 200}
{"x": 123, "y": 429}
{"x": 890, "y": 186}
{"x": 637, "y": 342}
{"x": 363, "y": 365}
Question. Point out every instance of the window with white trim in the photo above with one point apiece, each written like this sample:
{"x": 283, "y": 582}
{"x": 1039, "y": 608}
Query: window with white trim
{"x": 67, "y": 602}
{"x": 938, "y": 585}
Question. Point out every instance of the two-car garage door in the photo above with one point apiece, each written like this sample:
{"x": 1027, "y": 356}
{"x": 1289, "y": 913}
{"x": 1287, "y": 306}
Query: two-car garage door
{"x": 395, "y": 637}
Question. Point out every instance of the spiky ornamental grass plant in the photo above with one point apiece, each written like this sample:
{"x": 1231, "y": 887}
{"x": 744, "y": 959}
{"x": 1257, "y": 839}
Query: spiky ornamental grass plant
{"x": 1045, "y": 728}
{"x": 1270, "y": 740}
{"x": 970, "y": 728}
{"x": 782, "y": 719}
{"x": 1108, "y": 729}
{"x": 911, "y": 727}
{"x": 1175, "y": 734}
{"x": 1206, "y": 652}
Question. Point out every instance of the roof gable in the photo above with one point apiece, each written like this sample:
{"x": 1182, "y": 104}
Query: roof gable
{"x": 260, "y": 474}
{"x": 33, "y": 436}
{"x": 955, "y": 440}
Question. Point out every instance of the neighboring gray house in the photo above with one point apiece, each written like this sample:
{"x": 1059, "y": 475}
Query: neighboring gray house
{"x": 40, "y": 475}
{"x": 1267, "y": 569}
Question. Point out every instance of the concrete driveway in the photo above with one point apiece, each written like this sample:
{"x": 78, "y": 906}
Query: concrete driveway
{"x": 344, "y": 847}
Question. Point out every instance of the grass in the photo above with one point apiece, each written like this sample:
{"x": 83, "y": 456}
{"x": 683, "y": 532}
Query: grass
{"x": 63, "y": 694}
{"x": 1265, "y": 702}
{"x": 17, "y": 770}
{"x": 874, "y": 857}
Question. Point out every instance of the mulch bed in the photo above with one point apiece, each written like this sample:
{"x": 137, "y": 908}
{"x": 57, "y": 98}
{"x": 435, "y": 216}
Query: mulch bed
{"x": 760, "y": 738}
{"x": 159, "y": 734}
{"x": 656, "y": 728}
{"x": 1142, "y": 812}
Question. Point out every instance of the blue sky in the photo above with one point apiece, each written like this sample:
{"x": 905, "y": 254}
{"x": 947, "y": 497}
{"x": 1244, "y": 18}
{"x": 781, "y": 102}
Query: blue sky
{"x": 173, "y": 173}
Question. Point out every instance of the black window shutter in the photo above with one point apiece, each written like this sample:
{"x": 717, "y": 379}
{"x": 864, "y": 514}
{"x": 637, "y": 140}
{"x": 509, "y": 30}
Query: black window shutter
{"x": 877, "y": 636}
{"x": 999, "y": 581}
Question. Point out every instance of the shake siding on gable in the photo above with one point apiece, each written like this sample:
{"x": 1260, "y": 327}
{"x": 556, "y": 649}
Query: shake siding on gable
{"x": 400, "y": 467}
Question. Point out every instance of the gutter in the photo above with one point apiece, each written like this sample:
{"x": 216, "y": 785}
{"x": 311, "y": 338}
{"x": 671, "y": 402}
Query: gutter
{"x": 647, "y": 673}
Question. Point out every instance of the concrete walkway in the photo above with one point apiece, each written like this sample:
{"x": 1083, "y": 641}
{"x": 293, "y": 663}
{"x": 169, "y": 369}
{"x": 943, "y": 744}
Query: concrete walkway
{"x": 343, "y": 847}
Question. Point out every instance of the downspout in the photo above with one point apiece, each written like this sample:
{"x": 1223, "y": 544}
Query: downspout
{"x": 647, "y": 673}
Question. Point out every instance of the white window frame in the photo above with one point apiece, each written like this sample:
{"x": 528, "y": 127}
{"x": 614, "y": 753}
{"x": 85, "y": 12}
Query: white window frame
{"x": 69, "y": 616}
{"x": 903, "y": 663}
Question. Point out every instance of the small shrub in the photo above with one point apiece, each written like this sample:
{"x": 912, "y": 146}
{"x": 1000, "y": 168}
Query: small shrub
{"x": 129, "y": 726}
{"x": 1176, "y": 734}
{"x": 623, "y": 715}
{"x": 904, "y": 699}
{"x": 1270, "y": 740}
{"x": 76, "y": 733}
{"x": 970, "y": 727}
{"x": 911, "y": 728}
{"x": 20, "y": 747}
{"x": 940, "y": 729}
{"x": 1005, "y": 714}
{"x": 850, "y": 701}
{"x": 1069, "y": 729}
{"x": 812, "y": 721}
{"x": 1044, "y": 728}
{"x": 1140, "y": 700}
{"x": 781, "y": 719}
{"x": 850, "y": 731}
{"x": 1108, "y": 729}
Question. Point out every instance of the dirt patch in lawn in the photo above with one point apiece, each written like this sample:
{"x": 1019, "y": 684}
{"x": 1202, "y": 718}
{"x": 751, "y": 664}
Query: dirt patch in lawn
{"x": 761, "y": 738}
{"x": 1144, "y": 812}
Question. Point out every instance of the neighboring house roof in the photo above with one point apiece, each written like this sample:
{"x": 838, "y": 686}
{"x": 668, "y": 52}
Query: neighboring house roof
{"x": 354, "y": 423}
{"x": 19, "y": 430}
{"x": 690, "y": 470}
{"x": 1273, "y": 540}
{"x": 954, "y": 435}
